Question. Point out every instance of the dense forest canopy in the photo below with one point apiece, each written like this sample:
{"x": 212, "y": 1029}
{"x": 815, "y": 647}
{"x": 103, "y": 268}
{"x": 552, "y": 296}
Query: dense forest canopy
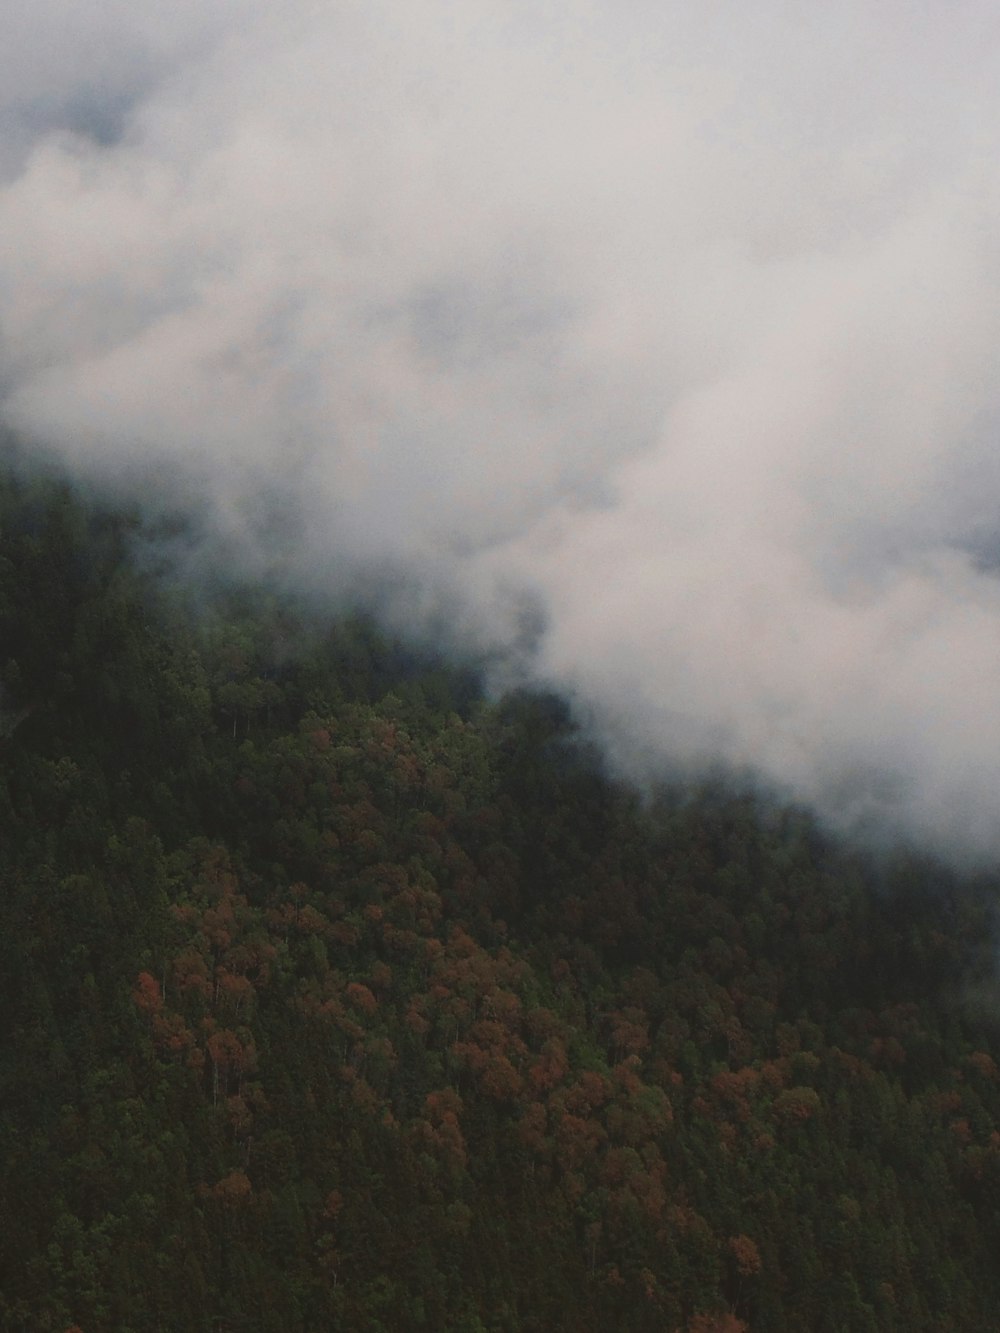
{"x": 338, "y": 995}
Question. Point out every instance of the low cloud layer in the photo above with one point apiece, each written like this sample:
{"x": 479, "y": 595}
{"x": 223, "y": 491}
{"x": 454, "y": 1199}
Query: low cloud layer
{"x": 677, "y": 323}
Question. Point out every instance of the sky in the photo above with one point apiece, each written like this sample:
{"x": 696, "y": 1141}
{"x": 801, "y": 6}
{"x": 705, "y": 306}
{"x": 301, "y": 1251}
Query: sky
{"x": 654, "y": 345}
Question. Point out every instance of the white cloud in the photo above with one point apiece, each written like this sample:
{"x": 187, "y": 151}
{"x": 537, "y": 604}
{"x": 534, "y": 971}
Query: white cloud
{"x": 681, "y": 319}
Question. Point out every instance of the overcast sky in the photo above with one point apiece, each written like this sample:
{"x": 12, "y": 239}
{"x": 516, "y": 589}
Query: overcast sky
{"x": 679, "y": 323}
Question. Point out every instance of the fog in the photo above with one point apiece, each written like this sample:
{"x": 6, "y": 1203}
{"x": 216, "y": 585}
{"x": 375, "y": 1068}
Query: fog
{"x": 674, "y": 325}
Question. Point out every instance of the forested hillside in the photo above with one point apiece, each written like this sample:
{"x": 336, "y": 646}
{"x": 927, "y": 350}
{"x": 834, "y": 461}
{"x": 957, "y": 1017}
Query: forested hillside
{"x": 335, "y": 996}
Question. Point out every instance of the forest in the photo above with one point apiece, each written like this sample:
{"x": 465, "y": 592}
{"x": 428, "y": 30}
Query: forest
{"x": 338, "y": 993}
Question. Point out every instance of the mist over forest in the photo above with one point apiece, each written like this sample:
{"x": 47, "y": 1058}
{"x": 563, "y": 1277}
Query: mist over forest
{"x": 499, "y": 620}
{"x": 653, "y": 350}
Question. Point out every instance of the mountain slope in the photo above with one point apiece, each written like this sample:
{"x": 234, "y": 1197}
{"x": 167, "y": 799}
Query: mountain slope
{"x": 334, "y": 996}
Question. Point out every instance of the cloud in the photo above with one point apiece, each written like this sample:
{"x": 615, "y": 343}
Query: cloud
{"x": 677, "y": 324}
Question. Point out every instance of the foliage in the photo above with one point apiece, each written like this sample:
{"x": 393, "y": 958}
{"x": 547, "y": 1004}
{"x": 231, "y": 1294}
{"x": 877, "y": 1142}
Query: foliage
{"x": 337, "y": 997}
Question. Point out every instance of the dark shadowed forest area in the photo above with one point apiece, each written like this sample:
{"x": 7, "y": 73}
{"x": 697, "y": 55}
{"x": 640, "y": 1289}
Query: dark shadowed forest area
{"x": 338, "y": 995}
